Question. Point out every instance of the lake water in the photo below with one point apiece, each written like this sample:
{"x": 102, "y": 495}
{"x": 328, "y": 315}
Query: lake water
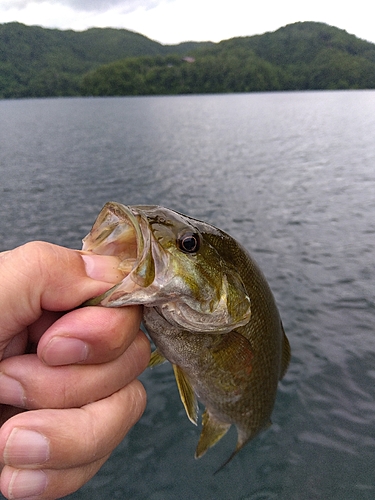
{"x": 291, "y": 176}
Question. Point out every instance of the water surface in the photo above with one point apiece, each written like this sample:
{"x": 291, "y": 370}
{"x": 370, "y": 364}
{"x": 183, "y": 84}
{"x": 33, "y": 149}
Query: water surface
{"x": 291, "y": 176}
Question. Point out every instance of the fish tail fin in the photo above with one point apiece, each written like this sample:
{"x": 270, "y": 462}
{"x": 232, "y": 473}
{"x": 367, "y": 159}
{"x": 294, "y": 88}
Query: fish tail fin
{"x": 226, "y": 462}
{"x": 240, "y": 445}
{"x": 285, "y": 354}
{"x": 243, "y": 438}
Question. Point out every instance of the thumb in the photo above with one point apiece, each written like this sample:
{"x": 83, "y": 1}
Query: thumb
{"x": 40, "y": 276}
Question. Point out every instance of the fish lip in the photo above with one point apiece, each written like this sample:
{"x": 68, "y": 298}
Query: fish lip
{"x": 111, "y": 218}
{"x": 113, "y": 221}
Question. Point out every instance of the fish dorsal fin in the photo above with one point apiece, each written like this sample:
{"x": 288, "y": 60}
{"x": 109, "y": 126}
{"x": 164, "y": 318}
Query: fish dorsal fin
{"x": 285, "y": 355}
{"x": 156, "y": 359}
{"x": 213, "y": 430}
{"x": 187, "y": 394}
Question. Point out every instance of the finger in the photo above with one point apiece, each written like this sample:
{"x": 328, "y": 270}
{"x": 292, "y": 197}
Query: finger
{"x": 90, "y": 335}
{"x": 26, "y": 382}
{"x": 46, "y": 484}
{"x": 64, "y": 439}
{"x": 17, "y": 345}
{"x": 42, "y": 324}
{"x": 40, "y": 275}
{"x": 71, "y": 458}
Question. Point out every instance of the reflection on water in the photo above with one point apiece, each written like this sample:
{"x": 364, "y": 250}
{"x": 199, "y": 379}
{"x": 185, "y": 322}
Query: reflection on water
{"x": 291, "y": 175}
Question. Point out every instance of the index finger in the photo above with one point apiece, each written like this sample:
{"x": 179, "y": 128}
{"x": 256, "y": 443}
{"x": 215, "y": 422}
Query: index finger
{"x": 40, "y": 276}
{"x": 90, "y": 335}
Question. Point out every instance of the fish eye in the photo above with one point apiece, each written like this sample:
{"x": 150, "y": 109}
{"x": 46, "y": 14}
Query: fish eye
{"x": 189, "y": 242}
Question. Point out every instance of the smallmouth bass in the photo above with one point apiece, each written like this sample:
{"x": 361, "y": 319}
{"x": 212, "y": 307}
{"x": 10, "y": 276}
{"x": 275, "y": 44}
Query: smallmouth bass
{"x": 208, "y": 309}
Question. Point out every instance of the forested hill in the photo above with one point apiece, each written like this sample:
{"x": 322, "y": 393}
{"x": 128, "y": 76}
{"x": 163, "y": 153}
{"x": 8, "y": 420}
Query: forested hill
{"x": 39, "y": 62}
{"x": 301, "y": 56}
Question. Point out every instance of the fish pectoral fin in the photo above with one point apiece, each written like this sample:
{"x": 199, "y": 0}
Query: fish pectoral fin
{"x": 156, "y": 359}
{"x": 187, "y": 394}
{"x": 213, "y": 430}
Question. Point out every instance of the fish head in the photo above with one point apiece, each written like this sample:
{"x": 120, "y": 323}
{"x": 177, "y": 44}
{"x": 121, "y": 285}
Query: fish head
{"x": 171, "y": 264}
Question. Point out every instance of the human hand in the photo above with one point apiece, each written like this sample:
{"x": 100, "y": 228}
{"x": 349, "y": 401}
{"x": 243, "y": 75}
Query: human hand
{"x": 75, "y": 371}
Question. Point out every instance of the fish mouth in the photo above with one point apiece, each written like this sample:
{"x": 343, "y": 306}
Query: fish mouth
{"x": 123, "y": 232}
{"x": 155, "y": 277}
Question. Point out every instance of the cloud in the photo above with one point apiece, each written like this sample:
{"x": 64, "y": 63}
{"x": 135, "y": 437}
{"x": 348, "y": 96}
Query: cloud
{"x": 104, "y": 5}
{"x": 85, "y": 5}
{"x": 174, "y": 21}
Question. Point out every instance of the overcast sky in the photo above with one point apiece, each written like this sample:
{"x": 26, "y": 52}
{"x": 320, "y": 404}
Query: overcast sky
{"x": 174, "y": 21}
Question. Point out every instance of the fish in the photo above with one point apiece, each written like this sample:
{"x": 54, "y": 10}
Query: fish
{"x": 208, "y": 310}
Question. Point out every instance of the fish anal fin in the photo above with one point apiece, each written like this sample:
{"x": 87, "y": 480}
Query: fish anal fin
{"x": 156, "y": 359}
{"x": 213, "y": 430}
{"x": 285, "y": 355}
{"x": 187, "y": 394}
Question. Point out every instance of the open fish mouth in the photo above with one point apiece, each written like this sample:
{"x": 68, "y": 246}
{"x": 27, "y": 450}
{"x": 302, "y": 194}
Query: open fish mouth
{"x": 124, "y": 233}
{"x": 187, "y": 290}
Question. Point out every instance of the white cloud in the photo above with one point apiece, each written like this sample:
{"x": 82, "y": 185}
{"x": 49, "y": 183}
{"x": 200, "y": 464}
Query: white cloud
{"x": 173, "y": 21}
{"x": 82, "y": 5}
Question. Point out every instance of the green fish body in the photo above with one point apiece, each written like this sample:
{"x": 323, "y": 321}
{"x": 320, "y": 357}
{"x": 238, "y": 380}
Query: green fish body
{"x": 208, "y": 309}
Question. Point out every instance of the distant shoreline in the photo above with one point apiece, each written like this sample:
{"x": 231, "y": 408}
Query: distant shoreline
{"x": 42, "y": 62}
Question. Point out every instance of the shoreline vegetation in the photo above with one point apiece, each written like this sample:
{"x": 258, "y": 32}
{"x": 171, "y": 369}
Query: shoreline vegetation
{"x": 40, "y": 62}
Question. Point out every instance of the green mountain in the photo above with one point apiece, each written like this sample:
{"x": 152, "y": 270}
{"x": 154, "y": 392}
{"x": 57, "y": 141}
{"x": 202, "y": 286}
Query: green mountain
{"x": 301, "y": 56}
{"x": 42, "y": 62}
{"x": 39, "y": 62}
{"x": 313, "y": 56}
